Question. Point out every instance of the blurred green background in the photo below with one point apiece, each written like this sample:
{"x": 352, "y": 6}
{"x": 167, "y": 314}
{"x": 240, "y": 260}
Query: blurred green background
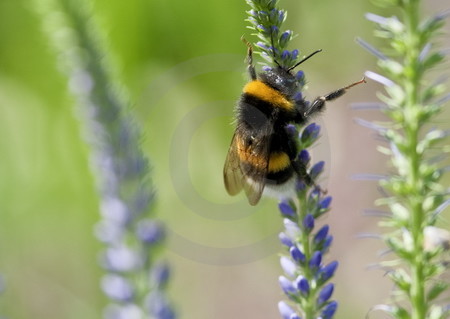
{"x": 183, "y": 65}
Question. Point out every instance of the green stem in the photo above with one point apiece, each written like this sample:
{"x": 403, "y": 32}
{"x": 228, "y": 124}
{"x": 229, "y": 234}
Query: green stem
{"x": 412, "y": 130}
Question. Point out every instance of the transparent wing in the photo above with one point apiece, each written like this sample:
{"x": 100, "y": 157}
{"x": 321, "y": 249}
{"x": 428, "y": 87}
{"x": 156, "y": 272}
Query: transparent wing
{"x": 247, "y": 163}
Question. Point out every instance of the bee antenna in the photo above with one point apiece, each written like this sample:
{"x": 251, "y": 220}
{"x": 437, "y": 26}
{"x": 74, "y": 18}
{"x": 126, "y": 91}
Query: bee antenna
{"x": 303, "y": 60}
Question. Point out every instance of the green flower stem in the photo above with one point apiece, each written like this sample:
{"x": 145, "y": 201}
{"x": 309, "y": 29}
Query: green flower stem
{"x": 416, "y": 194}
{"x": 412, "y": 89}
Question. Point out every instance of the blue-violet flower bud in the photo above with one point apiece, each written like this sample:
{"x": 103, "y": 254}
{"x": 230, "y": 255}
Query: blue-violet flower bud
{"x": 304, "y": 157}
{"x": 321, "y": 234}
{"x": 316, "y": 170}
{"x": 302, "y": 285}
{"x": 308, "y": 222}
{"x": 328, "y": 271}
{"x": 285, "y": 310}
{"x": 325, "y": 294}
{"x": 288, "y": 266}
{"x": 315, "y": 260}
{"x": 296, "y": 254}
{"x": 329, "y": 310}
{"x": 287, "y": 286}
{"x": 324, "y": 203}
{"x": 286, "y": 209}
{"x": 310, "y": 133}
{"x": 285, "y": 240}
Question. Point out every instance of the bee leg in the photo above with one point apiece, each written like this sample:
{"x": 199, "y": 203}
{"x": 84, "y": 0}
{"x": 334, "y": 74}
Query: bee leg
{"x": 318, "y": 104}
{"x": 250, "y": 67}
{"x": 302, "y": 173}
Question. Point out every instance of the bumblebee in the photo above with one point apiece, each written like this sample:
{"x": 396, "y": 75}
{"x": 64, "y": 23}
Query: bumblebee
{"x": 262, "y": 157}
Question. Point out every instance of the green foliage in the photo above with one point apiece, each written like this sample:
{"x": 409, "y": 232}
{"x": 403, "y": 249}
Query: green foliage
{"x": 415, "y": 189}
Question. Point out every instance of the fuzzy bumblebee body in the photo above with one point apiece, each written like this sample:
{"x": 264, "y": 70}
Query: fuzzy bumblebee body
{"x": 263, "y": 153}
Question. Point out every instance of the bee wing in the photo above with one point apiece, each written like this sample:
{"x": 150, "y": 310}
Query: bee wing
{"x": 246, "y": 164}
{"x": 232, "y": 174}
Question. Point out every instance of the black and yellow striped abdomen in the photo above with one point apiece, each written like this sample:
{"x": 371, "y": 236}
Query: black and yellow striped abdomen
{"x": 280, "y": 168}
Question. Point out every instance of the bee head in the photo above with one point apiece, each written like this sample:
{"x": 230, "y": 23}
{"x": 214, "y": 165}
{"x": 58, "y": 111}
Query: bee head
{"x": 281, "y": 79}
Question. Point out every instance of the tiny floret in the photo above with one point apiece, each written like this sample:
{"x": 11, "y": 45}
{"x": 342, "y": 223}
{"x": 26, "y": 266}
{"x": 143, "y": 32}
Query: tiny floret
{"x": 286, "y": 209}
{"x": 316, "y": 260}
{"x": 329, "y": 310}
{"x": 303, "y": 285}
{"x": 317, "y": 169}
{"x": 287, "y": 286}
{"x": 308, "y": 222}
{"x": 321, "y": 234}
{"x": 296, "y": 254}
{"x": 325, "y": 294}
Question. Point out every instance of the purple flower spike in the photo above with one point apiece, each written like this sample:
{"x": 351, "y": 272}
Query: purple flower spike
{"x": 304, "y": 245}
{"x": 325, "y": 294}
{"x": 329, "y": 310}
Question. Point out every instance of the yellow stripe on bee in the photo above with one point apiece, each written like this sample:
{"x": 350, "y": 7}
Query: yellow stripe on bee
{"x": 266, "y": 93}
{"x": 278, "y": 162}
